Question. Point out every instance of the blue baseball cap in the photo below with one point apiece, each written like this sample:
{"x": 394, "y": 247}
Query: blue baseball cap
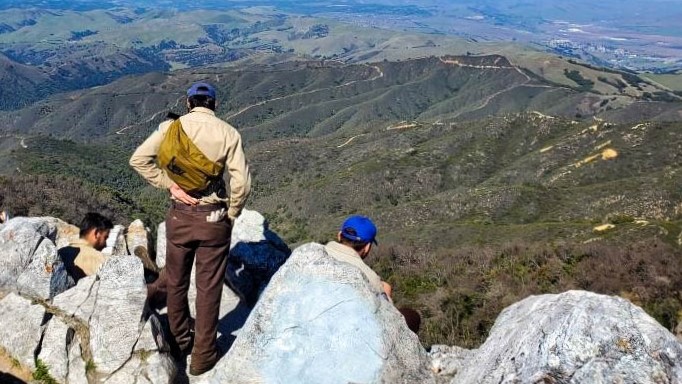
{"x": 359, "y": 228}
{"x": 204, "y": 89}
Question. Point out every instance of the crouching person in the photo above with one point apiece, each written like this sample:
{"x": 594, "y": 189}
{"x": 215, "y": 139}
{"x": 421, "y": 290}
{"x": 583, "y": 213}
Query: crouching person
{"x": 353, "y": 245}
{"x": 84, "y": 257}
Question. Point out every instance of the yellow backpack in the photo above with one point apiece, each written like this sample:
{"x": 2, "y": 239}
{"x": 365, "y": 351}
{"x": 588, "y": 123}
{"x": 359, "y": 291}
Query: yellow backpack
{"x": 184, "y": 162}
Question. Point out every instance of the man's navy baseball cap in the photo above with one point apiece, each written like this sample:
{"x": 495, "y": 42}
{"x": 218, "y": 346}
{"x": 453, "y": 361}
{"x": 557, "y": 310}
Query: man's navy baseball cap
{"x": 359, "y": 228}
{"x": 204, "y": 89}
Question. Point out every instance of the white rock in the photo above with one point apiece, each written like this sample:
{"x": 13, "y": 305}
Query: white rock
{"x": 116, "y": 242}
{"x": 35, "y": 279}
{"x": 57, "y": 341}
{"x": 161, "y": 245}
{"x": 80, "y": 300}
{"x": 320, "y": 321}
{"x": 256, "y": 253}
{"x": 20, "y": 331}
{"x": 19, "y": 238}
{"x": 153, "y": 369}
{"x": 152, "y": 337}
{"x": 137, "y": 240}
{"x": 116, "y": 321}
{"x": 575, "y": 337}
{"x": 77, "y": 373}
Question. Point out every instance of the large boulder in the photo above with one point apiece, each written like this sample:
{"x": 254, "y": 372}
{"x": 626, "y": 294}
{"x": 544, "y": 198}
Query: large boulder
{"x": 137, "y": 238}
{"x": 36, "y": 279}
{"x": 124, "y": 338}
{"x": 320, "y": 321}
{"x": 20, "y": 328}
{"x": 55, "y": 346}
{"x": 116, "y": 321}
{"x": 575, "y": 337}
{"x": 21, "y": 241}
{"x": 256, "y": 253}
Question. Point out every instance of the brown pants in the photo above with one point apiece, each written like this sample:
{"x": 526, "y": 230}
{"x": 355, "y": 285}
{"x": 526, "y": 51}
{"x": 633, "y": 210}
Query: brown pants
{"x": 188, "y": 235}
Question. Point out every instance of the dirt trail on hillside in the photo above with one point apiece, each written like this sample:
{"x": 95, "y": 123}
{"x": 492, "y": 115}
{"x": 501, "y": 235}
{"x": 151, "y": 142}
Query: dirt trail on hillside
{"x": 489, "y": 98}
{"x": 150, "y": 119}
{"x": 379, "y": 75}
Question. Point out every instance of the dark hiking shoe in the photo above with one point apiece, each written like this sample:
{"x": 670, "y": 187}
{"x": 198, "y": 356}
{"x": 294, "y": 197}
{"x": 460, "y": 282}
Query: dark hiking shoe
{"x": 203, "y": 368}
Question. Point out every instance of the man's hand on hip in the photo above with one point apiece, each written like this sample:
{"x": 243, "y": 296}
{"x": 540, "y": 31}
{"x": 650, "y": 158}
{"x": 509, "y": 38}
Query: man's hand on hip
{"x": 182, "y": 196}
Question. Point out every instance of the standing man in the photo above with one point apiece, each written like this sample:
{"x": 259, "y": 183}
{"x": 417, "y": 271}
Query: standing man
{"x": 196, "y": 157}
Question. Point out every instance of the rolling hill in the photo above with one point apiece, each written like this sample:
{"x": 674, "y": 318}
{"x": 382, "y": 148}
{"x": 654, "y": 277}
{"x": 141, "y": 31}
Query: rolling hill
{"x": 494, "y": 170}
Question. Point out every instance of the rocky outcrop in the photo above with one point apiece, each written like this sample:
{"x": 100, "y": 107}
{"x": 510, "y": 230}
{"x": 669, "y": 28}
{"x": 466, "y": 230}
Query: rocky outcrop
{"x": 21, "y": 328}
{"x": 100, "y": 323}
{"x": 316, "y": 320}
{"x": 575, "y": 337}
{"x": 256, "y": 253}
{"x": 116, "y": 320}
{"x": 27, "y": 253}
{"x": 320, "y": 321}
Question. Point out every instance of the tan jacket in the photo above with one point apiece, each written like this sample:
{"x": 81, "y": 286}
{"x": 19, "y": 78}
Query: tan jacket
{"x": 86, "y": 259}
{"x": 219, "y": 142}
{"x": 348, "y": 255}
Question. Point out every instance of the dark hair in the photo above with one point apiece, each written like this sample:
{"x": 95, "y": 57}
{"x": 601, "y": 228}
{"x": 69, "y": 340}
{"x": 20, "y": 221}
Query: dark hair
{"x": 201, "y": 101}
{"x": 355, "y": 244}
{"x": 94, "y": 220}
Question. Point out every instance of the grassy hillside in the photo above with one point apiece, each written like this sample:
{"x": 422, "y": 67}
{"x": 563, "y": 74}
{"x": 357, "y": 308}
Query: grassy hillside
{"x": 70, "y": 50}
{"x": 472, "y": 215}
{"x": 315, "y": 98}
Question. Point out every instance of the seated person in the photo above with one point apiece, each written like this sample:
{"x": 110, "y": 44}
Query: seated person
{"x": 353, "y": 245}
{"x": 83, "y": 257}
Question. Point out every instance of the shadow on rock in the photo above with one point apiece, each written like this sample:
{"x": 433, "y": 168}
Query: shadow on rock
{"x": 10, "y": 379}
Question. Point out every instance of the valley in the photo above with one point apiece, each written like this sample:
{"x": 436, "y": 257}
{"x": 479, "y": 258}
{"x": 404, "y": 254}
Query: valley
{"x": 495, "y": 170}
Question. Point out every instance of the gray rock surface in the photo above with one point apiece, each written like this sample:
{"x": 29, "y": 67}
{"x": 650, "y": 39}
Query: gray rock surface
{"x": 56, "y": 343}
{"x": 116, "y": 242}
{"x": 20, "y": 331}
{"x": 152, "y": 337}
{"x": 161, "y": 245}
{"x": 575, "y": 337}
{"x": 137, "y": 241}
{"x": 76, "y": 373}
{"x": 19, "y": 239}
{"x": 80, "y": 300}
{"x": 155, "y": 368}
{"x": 66, "y": 233}
{"x": 319, "y": 321}
{"x": 256, "y": 253}
{"x": 116, "y": 321}
{"x": 447, "y": 361}
{"x": 36, "y": 279}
